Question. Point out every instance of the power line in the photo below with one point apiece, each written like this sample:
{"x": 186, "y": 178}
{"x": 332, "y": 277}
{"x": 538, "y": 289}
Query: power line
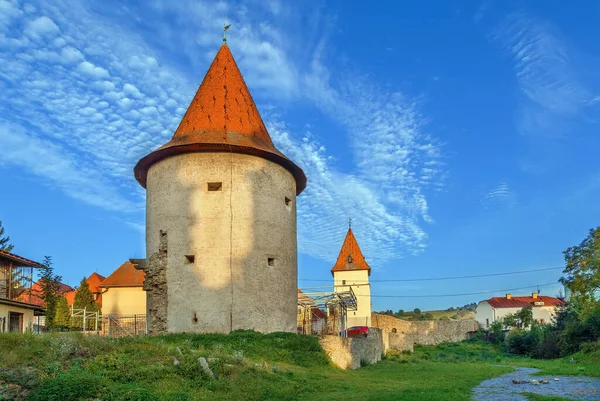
{"x": 453, "y": 277}
{"x": 458, "y": 295}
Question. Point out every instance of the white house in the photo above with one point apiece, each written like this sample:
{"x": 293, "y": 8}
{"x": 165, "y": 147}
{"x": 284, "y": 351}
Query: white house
{"x": 497, "y": 308}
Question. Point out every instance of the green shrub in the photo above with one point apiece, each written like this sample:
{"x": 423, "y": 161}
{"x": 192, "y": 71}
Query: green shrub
{"x": 73, "y": 385}
{"x": 496, "y": 333}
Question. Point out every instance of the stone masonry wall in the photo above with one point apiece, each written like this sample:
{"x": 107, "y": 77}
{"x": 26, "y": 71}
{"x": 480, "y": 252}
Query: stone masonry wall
{"x": 403, "y": 335}
{"x": 347, "y": 353}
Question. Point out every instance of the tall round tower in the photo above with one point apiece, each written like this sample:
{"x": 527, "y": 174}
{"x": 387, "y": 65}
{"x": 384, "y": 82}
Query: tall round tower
{"x": 220, "y": 217}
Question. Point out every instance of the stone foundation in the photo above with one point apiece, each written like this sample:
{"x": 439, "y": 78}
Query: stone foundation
{"x": 351, "y": 353}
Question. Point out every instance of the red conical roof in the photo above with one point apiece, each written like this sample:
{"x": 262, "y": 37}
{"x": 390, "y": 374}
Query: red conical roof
{"x": 350, "y": 257}
{"x": 221, "y": 118}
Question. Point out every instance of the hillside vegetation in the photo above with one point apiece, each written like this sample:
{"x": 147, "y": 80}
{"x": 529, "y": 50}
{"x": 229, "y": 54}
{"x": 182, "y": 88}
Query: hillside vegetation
{"x": 247, "y": 366}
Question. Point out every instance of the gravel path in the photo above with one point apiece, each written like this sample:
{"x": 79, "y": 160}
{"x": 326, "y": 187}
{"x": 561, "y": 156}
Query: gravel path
{"x": 502, "y": 388}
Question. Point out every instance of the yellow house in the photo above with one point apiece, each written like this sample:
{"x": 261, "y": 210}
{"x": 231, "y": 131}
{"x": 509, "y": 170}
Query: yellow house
{"x": 122, "y": 292}
{"x": 351, "y": 272}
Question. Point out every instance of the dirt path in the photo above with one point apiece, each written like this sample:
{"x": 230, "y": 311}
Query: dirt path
{"x": 503, "y": 388}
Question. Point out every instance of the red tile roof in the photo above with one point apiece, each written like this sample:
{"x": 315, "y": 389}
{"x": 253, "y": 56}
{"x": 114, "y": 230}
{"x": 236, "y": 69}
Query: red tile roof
{"x": 520, "y": 302}
{"x": 221, "y": 118}
{"x": 36, "y": 294}
{"x": 94, "y": 281}
{"x": 125, "y": 276}
{"x": 350, "y": 257}
{"x": 19, "y": 261}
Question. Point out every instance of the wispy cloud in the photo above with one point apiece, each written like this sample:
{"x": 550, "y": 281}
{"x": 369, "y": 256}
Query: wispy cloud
{"x": 549, "y": 75}
{"x": 500, "y": 197}
{"x": 92, "y": 97}
{"x": 61, "y": 168}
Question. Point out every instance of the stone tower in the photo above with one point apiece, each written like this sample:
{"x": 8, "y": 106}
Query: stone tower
{"x": 220, "y": 217}
{"x": 352, "y": 271}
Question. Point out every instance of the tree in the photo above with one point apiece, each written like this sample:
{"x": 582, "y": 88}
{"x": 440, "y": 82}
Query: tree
{"x": 582, "y": 270}
{"x": 521, "y": 319}
{"x": 84, "y": 299}
{"x": 5, "y": 244}
{"x": 427, "y": 316}
{"x": 50, "y": 284}
{"x": 417, "y": 311}
{"x": 400, "y": 313}
{"x": 63, "y": 313}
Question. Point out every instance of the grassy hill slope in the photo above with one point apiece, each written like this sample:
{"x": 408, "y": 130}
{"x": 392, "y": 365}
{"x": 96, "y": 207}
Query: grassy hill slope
{"x": 247, "y": 365}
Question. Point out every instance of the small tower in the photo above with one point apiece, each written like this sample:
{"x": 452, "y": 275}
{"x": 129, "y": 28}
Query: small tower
{"x": 220, "y": 217}
{"x": 352, "y": 271}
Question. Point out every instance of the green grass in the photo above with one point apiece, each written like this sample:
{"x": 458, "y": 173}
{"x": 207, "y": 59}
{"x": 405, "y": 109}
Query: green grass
{"x": 250, "y": 366}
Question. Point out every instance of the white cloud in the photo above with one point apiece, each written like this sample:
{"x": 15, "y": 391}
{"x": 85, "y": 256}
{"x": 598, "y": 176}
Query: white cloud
{"x": 70, "y": 54}
{"x": 62, "y": 170}
{"x": 8, "y": 13}
{"x": 499, "y": 197}
{"x": 548, "y": 78}
{"x": 106, "y": 121}
{"x": 41, "y": 27}
{"x": 92, "y": 71}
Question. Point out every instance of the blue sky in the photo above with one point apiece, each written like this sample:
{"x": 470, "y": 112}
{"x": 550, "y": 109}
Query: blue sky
{"x": 460, "y": 136}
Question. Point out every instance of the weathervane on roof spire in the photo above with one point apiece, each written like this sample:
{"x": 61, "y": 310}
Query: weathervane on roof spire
{"x": 349, "y": 223}
{"x": 225, "y": 28}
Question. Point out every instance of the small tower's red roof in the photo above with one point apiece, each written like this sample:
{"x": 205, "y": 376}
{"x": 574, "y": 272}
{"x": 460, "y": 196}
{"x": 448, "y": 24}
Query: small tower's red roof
{"x": 350, "y": 257}
{"x": 221, "y": 118}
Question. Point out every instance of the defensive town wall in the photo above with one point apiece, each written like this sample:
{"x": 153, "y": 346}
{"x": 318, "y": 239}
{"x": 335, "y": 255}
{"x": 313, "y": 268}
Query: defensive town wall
{"x": 403, "y": 335}
{"x": 389, "y": 332}
{"x": 351, "y": 353}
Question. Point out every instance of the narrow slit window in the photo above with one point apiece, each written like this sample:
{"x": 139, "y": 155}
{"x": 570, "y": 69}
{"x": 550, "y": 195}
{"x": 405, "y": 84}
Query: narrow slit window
{"x": 215, "y": 186}
{"x": 343, "y": 282}
{"x": 190, "y": 258}
{"x": 271, "y": 262}
{"x": 288, "y": 202}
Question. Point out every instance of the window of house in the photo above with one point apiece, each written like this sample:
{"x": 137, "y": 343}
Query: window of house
{"x": 214, "y": 186}
{"x": 349, "y": 259}
{"x": 343, "y": 282}
{"x": 288, "y": 202}
{"x": 487, "y": 322}
{"x": 189, "y": 258}
{"x": 271, "y": 262}
{"x": 394, "y": 330}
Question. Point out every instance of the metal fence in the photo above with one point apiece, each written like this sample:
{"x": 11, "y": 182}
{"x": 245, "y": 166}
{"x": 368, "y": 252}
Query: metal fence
{"x": 123, "y": 325}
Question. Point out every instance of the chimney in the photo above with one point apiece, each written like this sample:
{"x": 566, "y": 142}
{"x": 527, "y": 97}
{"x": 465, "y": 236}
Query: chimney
{"x": 534, "y": 295}
{"x": 508, "y": 296}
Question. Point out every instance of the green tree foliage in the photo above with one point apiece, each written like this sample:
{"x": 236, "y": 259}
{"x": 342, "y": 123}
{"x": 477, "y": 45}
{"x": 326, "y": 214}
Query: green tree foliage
{"x": 84, "y": 299}
{"x": 520, "y": 320}
{"x": 497, "y": 332}
{"x": 427, "y": 316}
{"x": 582, "y": 271}
{"x": 63, "y": 313}
{"x": 5, "y": 244}
{"x": 417, "y": 311}
{"x": 50, "y": 284}
{"x": 400, "y": 313}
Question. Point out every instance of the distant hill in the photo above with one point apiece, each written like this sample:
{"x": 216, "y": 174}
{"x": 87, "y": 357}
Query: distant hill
{"x": 465, "y": 312}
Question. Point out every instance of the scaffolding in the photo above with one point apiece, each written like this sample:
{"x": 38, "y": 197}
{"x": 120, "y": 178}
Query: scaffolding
{"x": 323, "y": 313}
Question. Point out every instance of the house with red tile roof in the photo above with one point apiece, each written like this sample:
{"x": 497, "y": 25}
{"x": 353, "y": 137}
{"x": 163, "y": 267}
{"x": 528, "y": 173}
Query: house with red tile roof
{"x": 495, "y": 309}
{"x": 93, "y": 281}
{"x": 122, "y": 291}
